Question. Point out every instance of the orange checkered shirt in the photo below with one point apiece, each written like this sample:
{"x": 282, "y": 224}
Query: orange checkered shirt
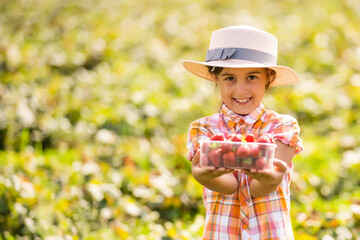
{"x": 239, "y": 215}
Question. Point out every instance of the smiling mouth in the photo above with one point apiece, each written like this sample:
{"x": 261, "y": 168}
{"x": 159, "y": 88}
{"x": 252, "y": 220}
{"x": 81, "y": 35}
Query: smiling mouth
{"x": 242, "y": 101}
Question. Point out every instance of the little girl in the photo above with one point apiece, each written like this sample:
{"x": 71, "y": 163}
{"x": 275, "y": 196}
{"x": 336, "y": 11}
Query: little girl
{"x": 245, "y": 204}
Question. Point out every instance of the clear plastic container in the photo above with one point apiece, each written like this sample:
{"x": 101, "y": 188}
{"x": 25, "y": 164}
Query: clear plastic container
{"x": 237, "y": 155}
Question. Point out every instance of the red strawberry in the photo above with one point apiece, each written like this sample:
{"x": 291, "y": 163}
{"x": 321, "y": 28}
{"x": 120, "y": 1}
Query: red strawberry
{"x": 235, "y": 138}
{"x": 217, "y": 137}
{"x": 229, "y": 159}
{"x": 260, "y": 163}
{"x": 230, "y": 136}
{"x": 243, "y": 151}
{"x": 270, "y": 136}
{"x": 264, "y": 139}
{"x": 255, "y": 151}
{"x": 250, "y": 137}
{"x": 215, "y": 157}
{"x": 227, "y": 147}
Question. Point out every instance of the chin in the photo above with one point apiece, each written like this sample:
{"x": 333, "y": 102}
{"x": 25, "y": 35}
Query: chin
{"x": 242, "y": 113}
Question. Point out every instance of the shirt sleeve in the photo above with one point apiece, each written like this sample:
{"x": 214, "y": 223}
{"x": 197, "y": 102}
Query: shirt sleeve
{"x": 197, "y": 131}
{"x": 287, "y": 131}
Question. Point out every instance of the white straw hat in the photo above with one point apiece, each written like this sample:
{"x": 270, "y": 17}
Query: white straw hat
{"x": 242, "y": 47}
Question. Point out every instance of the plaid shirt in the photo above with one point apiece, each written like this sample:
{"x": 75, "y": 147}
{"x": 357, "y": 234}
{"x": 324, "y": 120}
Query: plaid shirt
{"x": 239, "y": 215}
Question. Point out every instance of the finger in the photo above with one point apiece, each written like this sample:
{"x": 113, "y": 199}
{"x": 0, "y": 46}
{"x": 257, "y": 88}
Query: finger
{"x": 263, "y": 171}
{"x": 281, "y": 165}
{"x": 195, "y": 159}
{"x": 247, "y": 172}
{"x": 210, "y": 168}
{"x": 252, "y": 171}
{"x": 221, "y": 171}
{"x": 228, "y": 170}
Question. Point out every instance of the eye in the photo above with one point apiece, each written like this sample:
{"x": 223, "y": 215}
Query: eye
{"x": 230, "y": 79}
{"x": 252, "y": 77}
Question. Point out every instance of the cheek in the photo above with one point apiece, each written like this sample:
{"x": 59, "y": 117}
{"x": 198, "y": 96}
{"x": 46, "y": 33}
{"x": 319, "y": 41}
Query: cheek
{"x": 260, "y": 88}
{"x": 225, "y": 92}
{"x": 223, "y": 95}
{"x": 258, "y": 92}
{"x": 261, "y": 94}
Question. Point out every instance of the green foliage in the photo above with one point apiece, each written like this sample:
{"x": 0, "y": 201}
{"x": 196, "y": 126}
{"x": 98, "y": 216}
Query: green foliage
{"x": 95, "y": 108}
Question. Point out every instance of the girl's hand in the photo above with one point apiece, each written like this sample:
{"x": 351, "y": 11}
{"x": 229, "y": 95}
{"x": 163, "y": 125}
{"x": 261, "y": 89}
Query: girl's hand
{"x": 268, "y": 176}
{"x": 267, "y": 181}
{"x": 216, "y": 179}
{"x": 206, "y": 172}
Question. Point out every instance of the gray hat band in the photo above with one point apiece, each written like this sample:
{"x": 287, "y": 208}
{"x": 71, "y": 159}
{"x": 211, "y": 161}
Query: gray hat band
{"x": 242, "y": 54}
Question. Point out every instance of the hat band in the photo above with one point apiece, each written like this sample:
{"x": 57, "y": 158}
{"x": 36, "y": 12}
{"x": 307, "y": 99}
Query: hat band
{"x": 242, "y": 54}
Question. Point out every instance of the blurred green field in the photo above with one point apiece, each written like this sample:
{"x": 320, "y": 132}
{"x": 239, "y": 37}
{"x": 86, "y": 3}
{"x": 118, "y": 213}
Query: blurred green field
{"x": 95, "y": 108}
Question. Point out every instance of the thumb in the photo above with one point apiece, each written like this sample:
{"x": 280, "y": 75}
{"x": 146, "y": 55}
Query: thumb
{"x": 281, "y": 166}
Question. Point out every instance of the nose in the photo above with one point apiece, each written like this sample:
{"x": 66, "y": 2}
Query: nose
{"x": 241, "y": 87}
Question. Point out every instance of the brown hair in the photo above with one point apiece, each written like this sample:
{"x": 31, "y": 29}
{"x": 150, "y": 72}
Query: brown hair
{"x": 271, "y": 74}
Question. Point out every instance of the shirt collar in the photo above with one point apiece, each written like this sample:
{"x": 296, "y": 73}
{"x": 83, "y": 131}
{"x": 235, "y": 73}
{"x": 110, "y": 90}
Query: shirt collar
{"x": 232, "y": 117}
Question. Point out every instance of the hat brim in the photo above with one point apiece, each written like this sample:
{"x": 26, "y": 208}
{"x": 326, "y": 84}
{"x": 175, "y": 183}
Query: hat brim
{"x": 284, "y": 75}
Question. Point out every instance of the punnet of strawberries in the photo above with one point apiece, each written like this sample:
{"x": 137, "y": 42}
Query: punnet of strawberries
{"x": 238, "y": 151}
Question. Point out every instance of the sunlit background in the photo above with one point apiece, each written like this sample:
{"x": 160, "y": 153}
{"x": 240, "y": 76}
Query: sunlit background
{"x": 95, "y": 108}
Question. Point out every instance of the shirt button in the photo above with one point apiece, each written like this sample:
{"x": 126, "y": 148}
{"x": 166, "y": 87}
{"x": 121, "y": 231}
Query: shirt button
{"x": 245, "y": 226}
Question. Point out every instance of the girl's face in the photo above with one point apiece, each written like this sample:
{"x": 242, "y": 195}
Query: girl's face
{"x": 242, "y": 89}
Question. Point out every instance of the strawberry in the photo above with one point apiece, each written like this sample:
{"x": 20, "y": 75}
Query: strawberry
{"x": 229, "y": 136}
{"x": 260, "y": 163}
{"x": 215, "y": 157}
{"x": 270, "y": 136}
{"x": 235, "y": 138}
{"x": 214, "y": 145}
{"x": 250, "y": 137}
{"x": 243, "y": 151}
{"x": 229, "y": 159}
{"x": 227, "y": 147}
{"x": 264, "y": 139}
{"x": 217, "y": 137}
{"x": 255, "y": 151}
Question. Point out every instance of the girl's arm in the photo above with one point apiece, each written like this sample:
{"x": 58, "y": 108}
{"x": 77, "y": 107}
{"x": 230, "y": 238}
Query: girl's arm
{"x": 266, "y": 181}
{"x": 216, "y": 179}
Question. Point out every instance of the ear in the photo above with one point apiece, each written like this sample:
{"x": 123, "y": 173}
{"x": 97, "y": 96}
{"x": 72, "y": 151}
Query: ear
{"x": 267, "y": 84}
{"x": 271, "y": 76}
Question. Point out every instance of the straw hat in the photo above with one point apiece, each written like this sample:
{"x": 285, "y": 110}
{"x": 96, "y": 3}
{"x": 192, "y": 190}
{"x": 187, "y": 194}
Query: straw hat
{"x": 242, "y": 47}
